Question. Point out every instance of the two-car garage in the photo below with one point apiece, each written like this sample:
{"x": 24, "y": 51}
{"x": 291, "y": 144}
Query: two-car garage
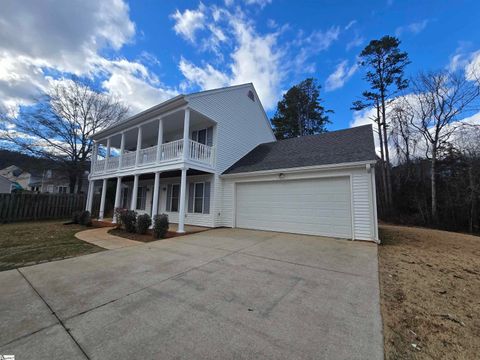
{"x": 306, "y": 206}
{"x": 316, "y": 185}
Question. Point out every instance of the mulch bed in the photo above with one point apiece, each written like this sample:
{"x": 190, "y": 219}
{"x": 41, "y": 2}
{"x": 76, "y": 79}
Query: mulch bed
{"x": 148, "y": 237}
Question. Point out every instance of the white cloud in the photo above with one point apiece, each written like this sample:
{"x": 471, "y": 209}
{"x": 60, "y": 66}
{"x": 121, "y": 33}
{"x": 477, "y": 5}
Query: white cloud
{"x": 261, "y": 3}
{"x": 320, "y": 40}
{"x": 254, "y": 58}
{"x": 207, "y": 77}
{"x": 350, "y": 24}
{"x": 245, "y": 55}
{"x": 413, "y": 28}
{"x": 189, "y": 22}
{"x": 340, "y": 76}
{"x": 356, "y": 41}
{"x": 36, "y": 46}
{"x": 472, "y": 69}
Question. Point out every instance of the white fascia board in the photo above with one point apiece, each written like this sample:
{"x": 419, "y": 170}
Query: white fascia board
{"x": 301, "y": 169}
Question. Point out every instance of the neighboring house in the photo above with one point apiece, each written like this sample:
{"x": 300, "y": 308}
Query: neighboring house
{"x": 5, "y": 185}
{"x": 211, "y": 159}
{"x": 17, "y": 175}
{"x": 45, "y": 181}
{"x": 57, "y": 182}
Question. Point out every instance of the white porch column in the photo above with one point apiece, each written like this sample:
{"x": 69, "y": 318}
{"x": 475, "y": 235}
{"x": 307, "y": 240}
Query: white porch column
{"x": 156, "y": 190}
{"x": 139, "y": 145}
{"x": 133, "y": 204}
{"x": 91, "y": 187}
{"x": 181, "y": 210}
{"x": 186, "y": 131}
{"x": 102, "y": 201}
{"x": 94, "y": 157}
{"x": 107, "y": 155}
{"x": 122, "y": 150}
{"x": 118, "y": 194}
{"x": 159, "y": 139}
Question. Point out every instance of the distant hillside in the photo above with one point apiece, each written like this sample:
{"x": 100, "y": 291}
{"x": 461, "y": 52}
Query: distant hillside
{"x": 26, "y": 162}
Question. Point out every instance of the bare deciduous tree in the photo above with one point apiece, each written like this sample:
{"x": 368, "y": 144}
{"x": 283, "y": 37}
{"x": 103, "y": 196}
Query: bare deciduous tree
{"x": 438, "y": 101}
{"x": 60, "y": 125}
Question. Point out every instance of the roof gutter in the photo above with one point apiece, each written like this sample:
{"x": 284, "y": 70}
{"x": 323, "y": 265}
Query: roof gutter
{"x": 301, "y": 169}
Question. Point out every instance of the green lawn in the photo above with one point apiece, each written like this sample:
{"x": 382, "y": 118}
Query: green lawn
{"x": 28, "y": 243}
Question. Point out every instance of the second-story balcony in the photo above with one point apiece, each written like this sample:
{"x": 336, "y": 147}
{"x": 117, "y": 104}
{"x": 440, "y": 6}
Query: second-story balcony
{"x": 118, "y": 155}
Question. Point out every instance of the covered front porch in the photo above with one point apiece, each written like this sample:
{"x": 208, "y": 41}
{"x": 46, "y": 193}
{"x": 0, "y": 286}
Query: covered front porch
{"x": 184, "y": 195}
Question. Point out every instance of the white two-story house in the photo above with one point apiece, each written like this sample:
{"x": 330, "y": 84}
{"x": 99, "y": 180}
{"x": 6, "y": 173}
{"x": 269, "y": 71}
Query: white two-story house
{"x": 211, "y": 159}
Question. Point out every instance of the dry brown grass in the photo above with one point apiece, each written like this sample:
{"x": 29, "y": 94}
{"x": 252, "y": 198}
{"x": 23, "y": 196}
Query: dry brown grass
{"x": 430, "y": 293}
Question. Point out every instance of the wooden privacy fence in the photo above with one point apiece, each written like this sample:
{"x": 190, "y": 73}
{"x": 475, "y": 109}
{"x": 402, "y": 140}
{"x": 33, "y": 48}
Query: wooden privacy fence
{"x": 24, "y": 206}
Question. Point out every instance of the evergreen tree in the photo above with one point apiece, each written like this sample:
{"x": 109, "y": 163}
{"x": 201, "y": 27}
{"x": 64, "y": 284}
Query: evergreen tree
{"x": 300, "y": 111}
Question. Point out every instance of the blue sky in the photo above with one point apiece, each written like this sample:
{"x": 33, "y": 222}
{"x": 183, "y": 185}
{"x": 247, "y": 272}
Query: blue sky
{"x": 148, "y": 51}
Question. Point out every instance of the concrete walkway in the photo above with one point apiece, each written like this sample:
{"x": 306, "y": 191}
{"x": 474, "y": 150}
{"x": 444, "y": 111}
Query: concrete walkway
{"x": 101, "y": 238}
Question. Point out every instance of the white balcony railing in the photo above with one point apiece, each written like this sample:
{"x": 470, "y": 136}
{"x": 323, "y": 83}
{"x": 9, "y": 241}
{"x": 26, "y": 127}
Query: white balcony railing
{"x": 98, "y": 166}
{"x": 112, "y": 163}
{"x": 171, "y": 151}
{"x": 147, "y": 155}
{"x": 200, "y": 152}
{"x": 168, "y": 152}
{"x": 128, "y": 159}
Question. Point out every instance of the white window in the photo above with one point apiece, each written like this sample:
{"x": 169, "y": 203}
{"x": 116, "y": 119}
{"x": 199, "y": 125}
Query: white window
{"x": 173, "y": 192}
{"x": 141, "y": 197}
{"x": 50, "y": 188}
{"x": 199, "y": 198}
{"x": 125, "y": 198}
{"x": 203, "y": 136}
{"x": 63, "y": 189}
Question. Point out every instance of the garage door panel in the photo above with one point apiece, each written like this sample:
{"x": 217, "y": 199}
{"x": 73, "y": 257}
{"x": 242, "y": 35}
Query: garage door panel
{"x": 313, "y": 206}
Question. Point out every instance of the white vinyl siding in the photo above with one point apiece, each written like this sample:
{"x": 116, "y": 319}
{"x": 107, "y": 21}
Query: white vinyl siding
{"x": 241, "y": 123}
{"x": 363, "y": 219}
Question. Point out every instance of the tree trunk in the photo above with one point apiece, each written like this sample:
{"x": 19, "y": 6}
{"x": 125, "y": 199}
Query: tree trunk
{"x": 382, "y": 156}
{"x": 433, "y": 179}
{"x": 72, "y": 181}
{"x": 79, "y": 182}
{"x": 387, "y": 157}
{"x": 471, "y": 185}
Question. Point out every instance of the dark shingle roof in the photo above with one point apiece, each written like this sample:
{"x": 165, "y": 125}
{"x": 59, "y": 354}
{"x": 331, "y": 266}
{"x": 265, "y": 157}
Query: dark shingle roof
{"x": 342, "y": 146}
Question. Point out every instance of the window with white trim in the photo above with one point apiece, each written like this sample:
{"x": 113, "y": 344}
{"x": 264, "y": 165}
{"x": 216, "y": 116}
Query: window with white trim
{"x": 62, "y": 189}
{"x": 203, "y": 136}
{"x": 141, "y": 197}
{"x": 199, "y": 197}
{"x": 173, "y": 195}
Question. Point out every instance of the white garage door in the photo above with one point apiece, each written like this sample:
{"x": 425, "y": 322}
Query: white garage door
{"x": 313, "y": 206}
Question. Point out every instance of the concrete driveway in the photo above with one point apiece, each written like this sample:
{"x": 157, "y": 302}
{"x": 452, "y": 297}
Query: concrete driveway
{"x": 220, "y": 294}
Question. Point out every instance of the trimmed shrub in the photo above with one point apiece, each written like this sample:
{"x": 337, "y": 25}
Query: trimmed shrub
{"x": 129, "y": 220}
{"x": 76, "y": 217}
{"x": 85, "y": 218}
{"x": 118, "y": 215}
{"x": 143, "y": 223}
{"x": 160, "y": 226}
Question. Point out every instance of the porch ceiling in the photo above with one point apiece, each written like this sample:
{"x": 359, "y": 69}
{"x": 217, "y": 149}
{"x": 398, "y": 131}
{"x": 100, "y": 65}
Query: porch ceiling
{"x": 172, "y": 129}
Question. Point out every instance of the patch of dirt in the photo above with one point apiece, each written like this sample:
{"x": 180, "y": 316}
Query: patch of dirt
{"x": 430, "y": 293}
